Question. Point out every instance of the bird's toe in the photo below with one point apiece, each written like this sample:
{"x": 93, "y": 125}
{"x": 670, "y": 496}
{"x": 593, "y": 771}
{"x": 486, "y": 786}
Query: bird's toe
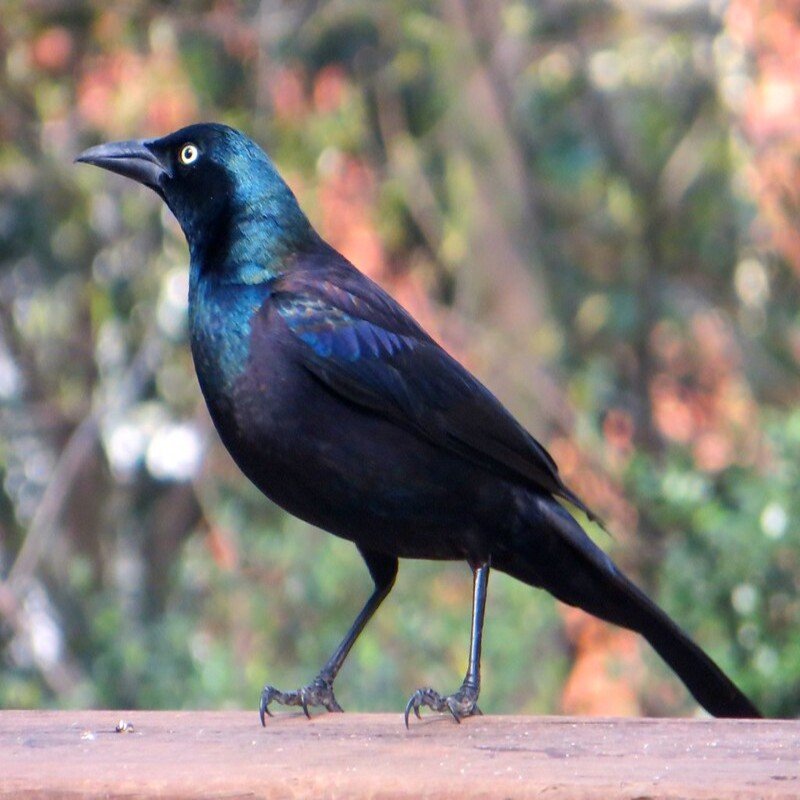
{"x": 424, "y": 697}
{"x": 463, "y": 703}
{"x": 318, "y": 693}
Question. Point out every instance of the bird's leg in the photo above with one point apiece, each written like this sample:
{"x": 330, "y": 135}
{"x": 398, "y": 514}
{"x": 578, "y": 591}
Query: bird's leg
{"x": 319, "y": 692}
{"x": 464, "y": 702}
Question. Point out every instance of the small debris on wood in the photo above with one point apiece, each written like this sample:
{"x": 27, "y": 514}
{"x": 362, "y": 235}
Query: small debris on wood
{"x": 123, "y": 726}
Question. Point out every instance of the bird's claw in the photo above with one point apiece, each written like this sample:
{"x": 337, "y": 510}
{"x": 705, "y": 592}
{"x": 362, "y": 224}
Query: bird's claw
{"x": 317, "y": 693}
{"x": 464, "y": 703}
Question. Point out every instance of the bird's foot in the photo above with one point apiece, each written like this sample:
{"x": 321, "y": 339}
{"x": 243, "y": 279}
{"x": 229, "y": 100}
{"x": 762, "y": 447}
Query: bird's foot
{"x": 318, "y": 693}
{"x": 464, "y": 703}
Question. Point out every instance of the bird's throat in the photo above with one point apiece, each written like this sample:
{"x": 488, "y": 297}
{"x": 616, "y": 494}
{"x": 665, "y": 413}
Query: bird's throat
{"x": 250, "y": 245}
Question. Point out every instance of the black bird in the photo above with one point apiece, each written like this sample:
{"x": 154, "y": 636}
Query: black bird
{"x": 342, "y": 410}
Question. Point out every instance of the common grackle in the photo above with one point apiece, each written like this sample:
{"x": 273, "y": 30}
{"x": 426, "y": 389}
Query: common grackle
{"x": 342, "y": 410}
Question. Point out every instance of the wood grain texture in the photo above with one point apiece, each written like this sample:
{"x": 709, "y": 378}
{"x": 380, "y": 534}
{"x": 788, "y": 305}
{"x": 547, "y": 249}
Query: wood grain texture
{"x": 192, "y": 754}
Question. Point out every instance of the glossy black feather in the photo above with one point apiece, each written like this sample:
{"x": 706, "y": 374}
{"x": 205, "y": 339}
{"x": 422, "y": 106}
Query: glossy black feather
{"x": 339, "y": 407}
{"x": 366, "y": 348}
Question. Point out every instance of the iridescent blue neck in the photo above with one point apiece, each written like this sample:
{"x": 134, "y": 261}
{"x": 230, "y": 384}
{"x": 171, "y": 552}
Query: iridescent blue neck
{"x": 250, "y": 229}
{"x": 252, "y": 242}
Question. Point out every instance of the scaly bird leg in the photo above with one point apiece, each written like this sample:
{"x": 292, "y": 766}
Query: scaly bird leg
{"x": 464, "y": 702}
{"x": 319, "y": 692}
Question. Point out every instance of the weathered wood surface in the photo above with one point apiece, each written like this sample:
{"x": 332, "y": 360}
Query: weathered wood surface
{"x": 228, "y": 755}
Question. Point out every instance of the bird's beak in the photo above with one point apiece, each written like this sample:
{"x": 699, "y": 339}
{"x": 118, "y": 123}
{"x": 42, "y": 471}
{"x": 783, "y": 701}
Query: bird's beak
{"x": 133, "y": 159}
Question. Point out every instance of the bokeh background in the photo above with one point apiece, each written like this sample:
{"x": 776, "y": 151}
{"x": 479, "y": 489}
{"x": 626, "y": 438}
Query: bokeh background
{"x": 593, "y": 204}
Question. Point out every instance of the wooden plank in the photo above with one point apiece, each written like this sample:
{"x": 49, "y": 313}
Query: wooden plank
{"x": 192, "y": 754}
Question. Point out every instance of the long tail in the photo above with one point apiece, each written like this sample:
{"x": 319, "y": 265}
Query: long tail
{"x": 555, "y": 554}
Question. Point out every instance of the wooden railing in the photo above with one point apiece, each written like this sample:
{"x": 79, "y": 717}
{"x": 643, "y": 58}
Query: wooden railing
{"x": 229, "y": 755}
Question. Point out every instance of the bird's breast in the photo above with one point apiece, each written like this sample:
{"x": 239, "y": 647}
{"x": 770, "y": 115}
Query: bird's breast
{"x": 317, "y": 455}
{"x": 220, "y": 323}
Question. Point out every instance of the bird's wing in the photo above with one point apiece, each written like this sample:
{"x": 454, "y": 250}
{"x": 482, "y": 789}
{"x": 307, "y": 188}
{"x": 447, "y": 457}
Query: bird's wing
{"x": 363, "y": 346}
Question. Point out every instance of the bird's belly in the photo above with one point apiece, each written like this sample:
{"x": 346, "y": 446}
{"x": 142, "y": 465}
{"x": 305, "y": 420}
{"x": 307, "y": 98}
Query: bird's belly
{"x": 351, "y": 472}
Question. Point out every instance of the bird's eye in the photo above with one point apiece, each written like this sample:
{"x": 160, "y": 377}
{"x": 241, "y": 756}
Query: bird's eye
{"x": 188, "y": 154}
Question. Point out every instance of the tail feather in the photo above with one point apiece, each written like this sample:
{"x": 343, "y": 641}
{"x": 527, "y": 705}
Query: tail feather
{"x": 708, "y": 684}
{"x": 555, "y": 554}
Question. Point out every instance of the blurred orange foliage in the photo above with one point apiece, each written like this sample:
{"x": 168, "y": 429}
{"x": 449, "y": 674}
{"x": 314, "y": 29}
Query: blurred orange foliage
{"x": 699, "y": 396}
{"x": 53, "y": 50}
{"x": 769, "y": 33}
{"x": 288, "y": 94}
{"x": 126, "y": 90}
{"x": 607, "y": 668}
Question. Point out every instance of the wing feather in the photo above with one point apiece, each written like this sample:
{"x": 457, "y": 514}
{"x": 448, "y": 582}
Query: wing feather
{"x": 366, "y": 348}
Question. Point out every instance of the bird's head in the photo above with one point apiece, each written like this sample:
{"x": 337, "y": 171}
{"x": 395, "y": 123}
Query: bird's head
{"x": 217, "y": 182}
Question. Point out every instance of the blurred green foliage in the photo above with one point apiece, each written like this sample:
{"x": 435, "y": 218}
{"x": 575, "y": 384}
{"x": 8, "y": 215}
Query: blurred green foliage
{"x": 559, "y": 190}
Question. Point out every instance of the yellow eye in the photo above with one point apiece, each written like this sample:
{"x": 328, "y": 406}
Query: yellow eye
{"x": 188, "y": 154}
